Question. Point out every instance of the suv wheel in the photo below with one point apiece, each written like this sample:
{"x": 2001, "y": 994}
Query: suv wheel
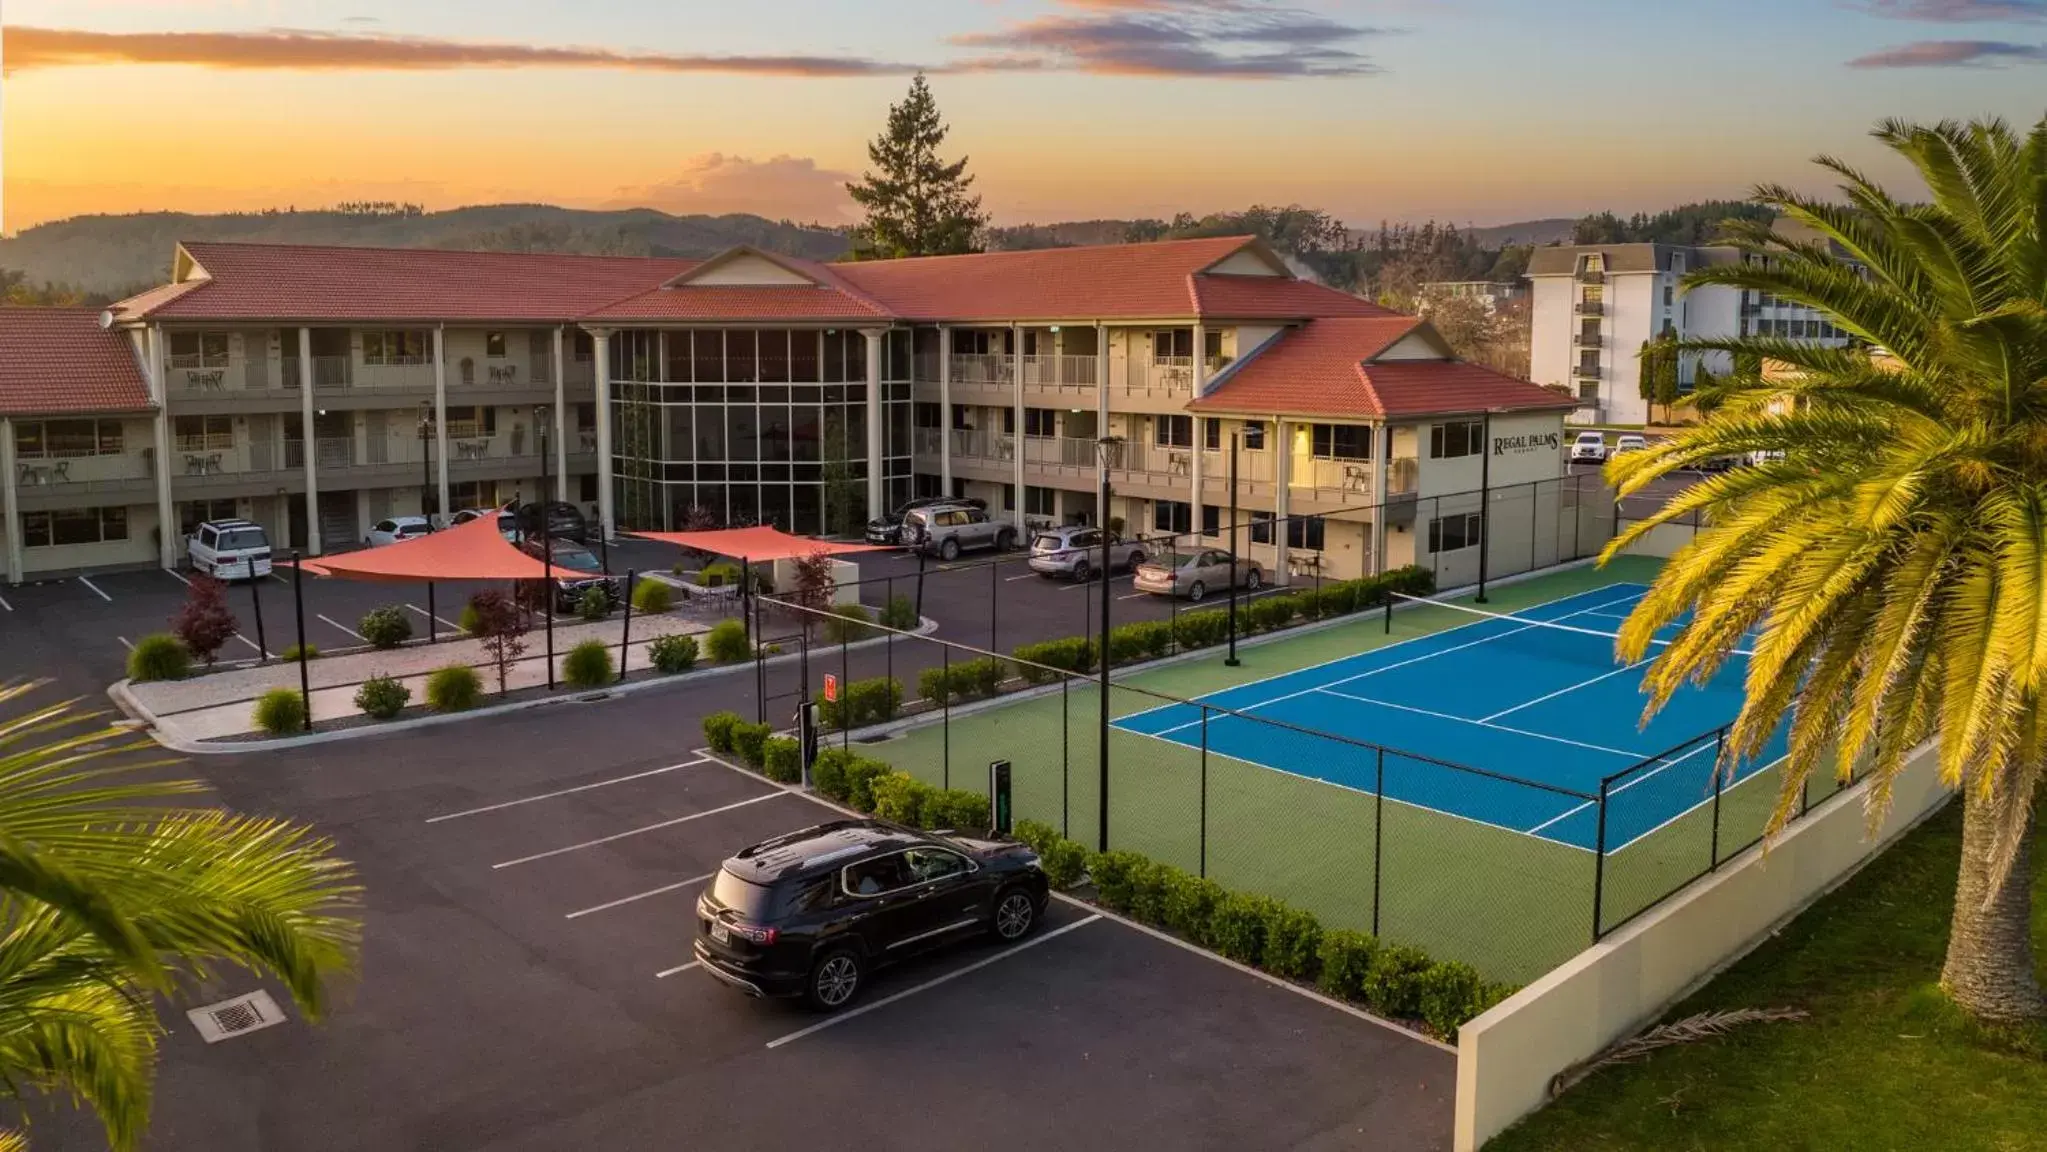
{"x": 1136, "y": 559}
{"x": 834, "y": 981}
{"x": 1081, "y": 572}
{"x": 949, "y": 549}
{"x": 1005, "y": 540}
{"x": 1196, "y": 591}
{"x": 1015, "y": 915}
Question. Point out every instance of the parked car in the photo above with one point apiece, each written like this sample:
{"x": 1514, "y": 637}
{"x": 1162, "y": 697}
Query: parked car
{"x": 229, "y": 550}
{"x": 397, "y": 529}
{"x": 812, "y": 913}
{"x": 1589, "y": 446}
{"x": 1195, "y": 574}
{"x": 577, "y": 570}
{"x": 1630, "y": 442}
{"x": 888, "y": 529}
{"x": 508, "y": 520}
{"x": 1074, "y": 551}
{"x": 565, "y": 521}
{"x": 947, "y": 531}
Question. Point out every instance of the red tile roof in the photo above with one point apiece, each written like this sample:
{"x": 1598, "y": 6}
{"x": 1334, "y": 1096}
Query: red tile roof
{"x": 1234, "y": 297}
{"x": 59, "y": 360}
{"x": 763, "y": 303}
{"x": 340, "y": 284}
{"x": 1329, "y": 368}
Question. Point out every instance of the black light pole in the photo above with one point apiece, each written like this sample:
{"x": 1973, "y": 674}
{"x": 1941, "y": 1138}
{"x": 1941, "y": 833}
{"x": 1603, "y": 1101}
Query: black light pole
{"x": 546, "y": 548}
{"x": 1231, "y": 660}
{"x": 426, "y": 462}
{"x": 298, "y": 596}
{"x": 1110, "y": 451}
{"x": 1485, "y": 502}
{"x": 256, "y": 598}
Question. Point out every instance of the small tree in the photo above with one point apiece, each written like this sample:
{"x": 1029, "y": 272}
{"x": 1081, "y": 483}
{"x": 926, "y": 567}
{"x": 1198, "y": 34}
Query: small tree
{"x": 916, "y": 203}
{"x": 699, "y": 519}
{"x": 814, "y": 585}
{"x": 205, "y": 622}
{"x": 501, "y": 625}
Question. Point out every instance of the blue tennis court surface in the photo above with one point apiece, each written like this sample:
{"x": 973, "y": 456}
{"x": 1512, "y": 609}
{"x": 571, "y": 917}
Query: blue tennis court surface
{"x": 1551, "y": 705}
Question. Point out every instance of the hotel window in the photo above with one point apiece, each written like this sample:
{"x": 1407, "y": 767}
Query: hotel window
{"x": 198, "y": 349}
{"x": 1040, "y": 422}
{"x": 472, "y": 421}
{"x": 1171, "y": 516}
{"x": 69, "y": 526}
{"x": 1254, "y": 436}
{"x": 1211, "y": 434}
{"x": 1461, "y": 438}
{"x": 1174, "y": 343}
{"x": 1450, "y": 533}
{"x": 466, "y": 494}
{"x": 193, "y": 513}
{"x": 494, "y": 345}
{"x": 1304, "y": 532}
{"x": 1173, "y": 431}
{"x": 1040, "y": 501}
{"x": 1261, "y": 527}
{"x": 395, "y": 347}
{"x": 1341, "y": 442}
{"x": 1669, "y": 295}
{"x": 204, "y": 433}
{"x": 1211, "y": 520}
{"x": 67, "y": 439}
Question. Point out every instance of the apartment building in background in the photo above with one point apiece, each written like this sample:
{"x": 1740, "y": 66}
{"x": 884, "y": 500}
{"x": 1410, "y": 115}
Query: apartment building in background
{"x": 317, "y": 390}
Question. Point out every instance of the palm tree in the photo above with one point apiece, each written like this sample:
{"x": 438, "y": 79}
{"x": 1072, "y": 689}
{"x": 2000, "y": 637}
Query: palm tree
{"x": 110, "y": 896}
{"x": 1894, "y": 559}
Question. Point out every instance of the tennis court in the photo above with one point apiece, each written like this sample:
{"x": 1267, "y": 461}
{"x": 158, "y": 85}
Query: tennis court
{"x": 1534, "y": 697}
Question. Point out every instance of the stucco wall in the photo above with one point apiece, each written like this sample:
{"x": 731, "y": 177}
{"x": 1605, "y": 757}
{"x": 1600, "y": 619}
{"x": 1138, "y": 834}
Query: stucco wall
{"x": 138, "y": 548}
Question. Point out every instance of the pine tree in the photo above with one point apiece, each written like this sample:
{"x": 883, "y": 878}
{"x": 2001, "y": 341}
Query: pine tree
{"x": 917, "y": 205}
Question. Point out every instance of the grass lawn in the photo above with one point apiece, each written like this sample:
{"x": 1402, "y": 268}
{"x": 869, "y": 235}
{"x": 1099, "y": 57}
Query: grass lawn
{"x": 1883, "y": 1063}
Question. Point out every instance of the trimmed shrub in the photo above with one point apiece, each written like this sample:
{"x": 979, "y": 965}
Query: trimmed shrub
{"x": 828, "y": 772}
{"x": 161, "y": 656}
{"x": 382, "y": 697}
{"x": 1073, "y": 654}
{"x": 718, "y": 731}
{"x": 1116, "y": 877}
{"x": 900, "y": 797}
{"x": 594, "y": 604}
{"x": 963, "y": 811}
{"x": 1445, "y": 996}
{"x": 455, "y": 688}
{"x": 1189, "y": 903}
{"x": 1273, "y": 612}
{"x": 281, "y": 711}
{"x": 652, "y": 596}
{"x": 861, "y": 777}
{"x": 588, "y": 665}
{"x": 901, "y": 614}
{"x": 1146, "y": 640}
{"x": 1237, "y": 927}
{"x": 309, "y": 651}
{"x": 1346, "y": 961}
{"x": 673, "y": 653}
{"x": 1201, "y": 629}
{"x": 782, "y": 759}
{"x": 727, "y": 642}
{"x": 1412, "y": 580}
{"x": 1293, "y": 942}
{"x": 719, "y": 575}
{"x": 750, "y": 741}
{"x": 384, "y": 628}
{"x": 1392, "y": 985}
{"x": 471, "y": 619}
{"x": 847, "y": 624}
{"x": 1036, "y": 834}
{"x": 966, "y": 680}
{"x": 862, "y": 702}
{"x": 935, "y": 685}
{"x": 1064, "y": 862}
{"x": 1149, "y": 884}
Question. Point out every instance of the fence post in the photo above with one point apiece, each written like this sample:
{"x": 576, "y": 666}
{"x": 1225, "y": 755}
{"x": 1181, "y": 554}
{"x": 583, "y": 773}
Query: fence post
{"x": 1201, "y": 858}
{"x": 760, "y": 684}
{"x": 1065, "y": 755}
{"x": 1599, "y": 865}
{"x": 625, "y": 636}
{"x": 1389, "y": 613}
{"x": 845, "y": 694}
{"x": 1378, "y": 833}
{"x": 1719, "y": 744}
{"x": 994, "y": 598}
{"x": 945, "y": 736}
{"x": 888, "y": 646}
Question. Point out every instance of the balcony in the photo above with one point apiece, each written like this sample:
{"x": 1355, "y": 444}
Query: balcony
{"x": 1589, "y": 340}
{"x": 980, "y": 368}
{"x": 1590, "y": 308}
{"x": 1591, "y": 275}
{"x": 972, "y": 444}
{"x": 328, "y": 372}
{"x": 84, "y": 475}
{"x": 1254, "y": 467}
{"x": 1586, "y": 371}
{"x": 1350, "y": 481}
{"x": 1060, "y": 373}
{"x": 1063, "y": 452}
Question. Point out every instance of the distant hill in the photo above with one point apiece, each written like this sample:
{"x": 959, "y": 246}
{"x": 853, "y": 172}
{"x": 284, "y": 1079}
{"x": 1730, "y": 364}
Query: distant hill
{"x": 109, "y": 255}
{"x": 1556, "y": 230}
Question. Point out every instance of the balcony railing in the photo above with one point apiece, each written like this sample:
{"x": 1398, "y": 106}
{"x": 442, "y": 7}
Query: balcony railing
{"x": 81, "y": 470}
{"x": 980, "y": 368}
{"x": 1586, "y": 371}
{"x": 1591, "y": 275}
{"x": 1591, "y": 308}
{"x": 206, "y": 442}
{"x": 973, "y": 444}
{"x": 1060, "y": 451}
{"x": 1254, "y": 466}
{"x": 502, "y": 446}
{"x": 328, "y": 372}
{"x": 1589, "y": 340}
{"x": 1076, "y": 373}
{"x": 1347, "y": 478}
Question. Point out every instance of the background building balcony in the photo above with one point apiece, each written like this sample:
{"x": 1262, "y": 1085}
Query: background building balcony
{"x": 1590, "y": 308}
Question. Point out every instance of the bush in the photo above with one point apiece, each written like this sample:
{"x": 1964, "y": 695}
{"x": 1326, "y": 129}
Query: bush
{"x": 384, "y": 628}
{"x": 967, "y": 680}
{"x": 161, "y": 656}
{"x": 718, "y": 575}
{"x": 1446, "y": 995}
{"x": 861, "y": 777}
{"x": 1392, "y": 985}
{"x": 1189, "y": 903}
{"x": 901, "y": 614}
{"x": 471, "y": 619}
{"x": 455, "y": 688}
{"x": 1149, "y": 883}
{"x": 964, "y": 811}
{"x": 1073, "y": 654}
{"x": 1412, "y": 580}
{"x": 783, "y": 760}
{"x": 1064, "y": 862}
{"x": 862, "y": 702}
{"x": 1237, "y": 927}
{"x": 1272, "y": 613}
{"x": 652, "y": 596}
{"x": 309, "y": 651}
{"x": 899, "y": 796}
{"x": 1293, "y": 942}
{"x": 382, "y": 697}
{"x": 718, "y": 731}
{"x": 750, "y": 741}
{"x": 1147, "y": 640}
{"x": 847, "y": 624}
{"x": 673, "y": 653}
{"x": 1116, "y": 876}
{"x": 1037, "y": 835}
{"x": 1201, "y": 629}
{"x": 727, "y": 642}
{"x": 588, "y": 665}
{"x": 594, "y": 604}
{"x": 280, "y": 711}
{"x": 828, "y": 773}
{"x": 1346, "y": 962}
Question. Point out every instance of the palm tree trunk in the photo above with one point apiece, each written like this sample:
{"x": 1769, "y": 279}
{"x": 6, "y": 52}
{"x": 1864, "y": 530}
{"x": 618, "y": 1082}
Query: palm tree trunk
{"x": 1989, "y": 970}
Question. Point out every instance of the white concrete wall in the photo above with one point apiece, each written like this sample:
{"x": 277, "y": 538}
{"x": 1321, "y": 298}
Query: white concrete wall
{"x": 138, "y": 549}
{"x": 1414, "y": 346}
{"x": 1550, "y": 328}
{"x": 1507, "y": 1057}
{"x": 1712, "y": 313}
{"x": 749, "y": 270}
{"x": 1634, "y": 305}
{"x": 1244, "y": 264}
{"x": 1527, "y": 448}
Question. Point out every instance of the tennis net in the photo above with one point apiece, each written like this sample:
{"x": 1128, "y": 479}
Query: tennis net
{"x": 1615, "y": 612}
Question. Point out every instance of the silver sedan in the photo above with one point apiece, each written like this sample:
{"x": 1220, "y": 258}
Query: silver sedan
{"x": 1195, "y": 574}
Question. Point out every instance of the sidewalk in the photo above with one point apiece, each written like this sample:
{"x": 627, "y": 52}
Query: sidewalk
{"x": 222, "y": 704}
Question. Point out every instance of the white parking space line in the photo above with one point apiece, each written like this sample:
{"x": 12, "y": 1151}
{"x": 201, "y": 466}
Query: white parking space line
{"x": 421, "y": 612}
{"x": 1134, "y": 596}
{"x": 624, "y": 900}
{"x": 252, "y": 645}
{"x": 340, "y": 625}
{"x": 1025, "y": 576}
{"x": 173, "y": 574}
{"x": 125, "y": 644}
{"x": 5, "y": 604}
{"x": 96, "y": 589}
{"x": 635, "y": 831}
{"x": 1070, "y": 585}
{"x": 667, "y": 972}
{"x": 932, "y": 983}
{"x": 563, "y": 792}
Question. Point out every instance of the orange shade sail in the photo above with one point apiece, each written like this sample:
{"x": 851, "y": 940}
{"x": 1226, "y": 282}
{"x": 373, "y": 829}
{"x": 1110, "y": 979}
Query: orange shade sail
{"x": 472, "y": 551}
{"x": 757, "y": 544}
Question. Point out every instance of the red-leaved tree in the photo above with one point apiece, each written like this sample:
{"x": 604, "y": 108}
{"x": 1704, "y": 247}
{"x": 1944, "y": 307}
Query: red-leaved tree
{"x": 814, "y": 585}
{"x": 205, "y": 623}
{"x": 501, "y": 625}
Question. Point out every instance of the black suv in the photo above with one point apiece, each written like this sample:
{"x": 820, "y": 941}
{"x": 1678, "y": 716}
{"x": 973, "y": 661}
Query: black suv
{"x": 576, "y": 571}
{"x": 889, "y": 529}
{"x": 565, "y": 521}
{"x": 811, "y": 913}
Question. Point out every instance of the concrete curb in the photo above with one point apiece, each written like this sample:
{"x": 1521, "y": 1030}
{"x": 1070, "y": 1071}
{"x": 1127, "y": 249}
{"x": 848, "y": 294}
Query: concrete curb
{"x": 127, "y": 703}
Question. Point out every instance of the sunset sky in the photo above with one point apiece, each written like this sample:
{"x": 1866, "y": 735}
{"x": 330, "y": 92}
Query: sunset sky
{"x": 1469, "y": 110}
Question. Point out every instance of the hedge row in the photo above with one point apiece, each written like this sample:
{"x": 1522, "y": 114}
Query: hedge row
{"x": 861, "y": 702}
{"x": 966, "y": 680}
{"x": 1390, "y": 980}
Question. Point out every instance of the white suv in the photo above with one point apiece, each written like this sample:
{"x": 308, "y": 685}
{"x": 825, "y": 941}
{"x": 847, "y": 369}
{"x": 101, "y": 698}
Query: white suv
{"x": 1589, "y": 446}
{"x": 229, "y": 550}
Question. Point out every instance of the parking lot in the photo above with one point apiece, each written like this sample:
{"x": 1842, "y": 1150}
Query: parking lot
{"x": 527, "y": 984}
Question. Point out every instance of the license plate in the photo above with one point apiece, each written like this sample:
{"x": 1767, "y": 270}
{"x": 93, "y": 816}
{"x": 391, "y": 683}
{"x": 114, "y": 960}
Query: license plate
{"x": 721, "y": 934}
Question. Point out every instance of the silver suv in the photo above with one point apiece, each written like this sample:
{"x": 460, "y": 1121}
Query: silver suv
{"x": 1074, "y": 551}
{"x": 947, "y": 532}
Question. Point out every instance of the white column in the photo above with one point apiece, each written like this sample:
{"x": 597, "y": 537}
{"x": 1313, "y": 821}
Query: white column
{"x": 308, "y": 443}
{"x": 1102, "y": 407}
{"x": 9, "y": 505}
{"x": 600, "y": 345}
{"x": 1200, "y": 443}
{"x": 159, "y": 391}
{"x": 561, "y": 420}
{"x": 1016, "y": 442}
{"x": 1283, "y": 475}
{"x": 1385, "y": 453}
{"x": 441, "y": 421}
{"x": 875, "y": 462}
{"x": 945, "y": 410}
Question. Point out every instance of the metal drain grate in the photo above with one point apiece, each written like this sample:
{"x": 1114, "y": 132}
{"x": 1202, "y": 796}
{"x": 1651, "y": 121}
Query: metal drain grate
{"x": 231, "y": 1018}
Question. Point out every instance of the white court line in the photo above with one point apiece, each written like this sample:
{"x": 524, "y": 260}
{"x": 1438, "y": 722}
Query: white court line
{"x": 444, "y": 622}
{"x": 665, "y": 973}
{"x": 926, "y": 986}
{"x": 622, "y": 901}
{"x": 343, "y": 627}
{"x": 96, "y": 589}
{"x": 173, "y": 574}
{"x": 1621, "y": 789}
{"x": 125, "y": 644}
{"x": 1637, "y": 757}
{"x": 1562, "y": 691}
{"x": 636, "y": 831}
{"x": 562, "y": 792}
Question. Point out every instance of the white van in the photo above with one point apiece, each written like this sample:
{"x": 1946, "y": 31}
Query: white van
{"x": 230, "y": 550}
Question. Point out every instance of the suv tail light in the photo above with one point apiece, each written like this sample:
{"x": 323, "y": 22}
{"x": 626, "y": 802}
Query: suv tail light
{"x": 755, "y": 934}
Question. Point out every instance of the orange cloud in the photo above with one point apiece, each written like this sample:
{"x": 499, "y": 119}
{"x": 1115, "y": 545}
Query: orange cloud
{"x": 779, "y": 188}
